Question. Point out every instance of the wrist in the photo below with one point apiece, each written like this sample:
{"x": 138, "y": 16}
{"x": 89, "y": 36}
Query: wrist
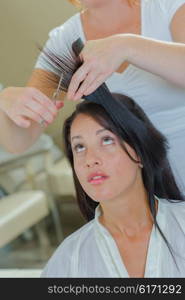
{"x": 126, "y": 44}
{"x": 4, "y": 97}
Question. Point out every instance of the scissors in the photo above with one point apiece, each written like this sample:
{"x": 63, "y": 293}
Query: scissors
{"x": 54, "y": 97}
{"x": 57, "y": 91}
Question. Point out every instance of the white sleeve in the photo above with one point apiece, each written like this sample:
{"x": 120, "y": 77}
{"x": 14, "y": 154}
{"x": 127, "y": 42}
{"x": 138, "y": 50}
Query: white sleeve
{"x": 58, "y": 265}
{"x": 170, "y": 7}
{"x": 61, "y": 262}
{"x": 59, "y": 42}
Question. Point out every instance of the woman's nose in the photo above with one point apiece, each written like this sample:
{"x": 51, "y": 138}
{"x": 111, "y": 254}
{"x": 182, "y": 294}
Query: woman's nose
{"x": 92, "y": 159}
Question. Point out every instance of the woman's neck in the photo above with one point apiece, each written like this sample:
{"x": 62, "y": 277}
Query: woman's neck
{"x": 129, "y": 215}
{"x": 120, "y": 14}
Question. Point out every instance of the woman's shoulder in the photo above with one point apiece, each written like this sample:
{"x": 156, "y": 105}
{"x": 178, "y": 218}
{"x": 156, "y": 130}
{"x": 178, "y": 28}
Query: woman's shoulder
{"x": 60, "y": 41}
{"x": 70, "y": 242}
{"x": 59, "y": 265}
{"x": 82, "y": 231}
{"x": 69, "y": 27}
{"x": 174, "y": 207}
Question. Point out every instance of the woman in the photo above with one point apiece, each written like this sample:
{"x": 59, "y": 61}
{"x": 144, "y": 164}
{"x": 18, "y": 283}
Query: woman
{"x": 120, "y": 179}
{"x": 138, "y": 33}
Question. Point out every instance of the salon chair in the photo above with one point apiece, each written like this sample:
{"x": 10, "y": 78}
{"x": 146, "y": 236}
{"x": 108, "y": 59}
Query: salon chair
{"x": 22, "y": 209}
{"x": 60, "y": 178}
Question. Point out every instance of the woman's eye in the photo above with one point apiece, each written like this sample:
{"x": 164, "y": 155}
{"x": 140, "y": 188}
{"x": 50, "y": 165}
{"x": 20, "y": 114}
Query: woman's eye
{"x": 108, "y": 140}
{"x": 79, "y": 148}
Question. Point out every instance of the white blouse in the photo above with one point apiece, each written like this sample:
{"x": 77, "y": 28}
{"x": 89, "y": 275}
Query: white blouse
{"x": 92, "y": 252}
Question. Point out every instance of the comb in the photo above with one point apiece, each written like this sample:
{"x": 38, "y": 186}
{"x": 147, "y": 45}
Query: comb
{"x": 66, "y": 66}
{"x": 103, "y": 96}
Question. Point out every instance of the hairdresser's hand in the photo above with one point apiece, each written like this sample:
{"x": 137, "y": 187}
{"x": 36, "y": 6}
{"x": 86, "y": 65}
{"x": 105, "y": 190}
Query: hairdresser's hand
{"x": 100, "y": 59}
{"x": 25, "y": 104}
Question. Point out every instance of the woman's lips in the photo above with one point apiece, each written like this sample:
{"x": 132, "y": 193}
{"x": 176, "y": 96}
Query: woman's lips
{"x": 97, "y": 178}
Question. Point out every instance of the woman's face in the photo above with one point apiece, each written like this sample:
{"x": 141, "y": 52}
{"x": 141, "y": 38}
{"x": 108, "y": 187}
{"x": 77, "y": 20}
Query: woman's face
{"x": 103, "y": 168}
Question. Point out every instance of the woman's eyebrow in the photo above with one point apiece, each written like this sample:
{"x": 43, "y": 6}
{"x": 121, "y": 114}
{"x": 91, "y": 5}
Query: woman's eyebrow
{"x": 97, "y": 132}
{"x": 76, "y": 137}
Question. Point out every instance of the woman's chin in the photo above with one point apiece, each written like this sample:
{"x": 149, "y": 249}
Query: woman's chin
{"x": 99, "y": 197}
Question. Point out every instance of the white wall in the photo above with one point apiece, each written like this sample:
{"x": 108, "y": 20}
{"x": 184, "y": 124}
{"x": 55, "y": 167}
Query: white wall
{"x": 24, "y": 23}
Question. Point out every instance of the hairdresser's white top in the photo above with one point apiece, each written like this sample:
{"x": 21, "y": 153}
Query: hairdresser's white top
{"x": 92, "y": 252}
{"x": 163, "y": 101}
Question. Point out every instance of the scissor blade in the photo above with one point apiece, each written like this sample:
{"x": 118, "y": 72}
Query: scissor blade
{"x": 56, "y": 93}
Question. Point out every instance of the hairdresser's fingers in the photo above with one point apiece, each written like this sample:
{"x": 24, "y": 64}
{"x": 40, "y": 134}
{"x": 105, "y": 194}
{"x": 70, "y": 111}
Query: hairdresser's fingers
{"x": 42, "y": 110}
{"x": 97, "y": 82}
{"x": 22, "y": 122}
{"x": 77, "y": 78}
{"x": 14, "y": 101}
{"x": 42, "y": 99}
{"x": 40, "y": 114}
{"x": 36, "y": 116}
{"x": 27, "y": 116}
{"x": 86, "y": 84}
{"x": 27, "y": 95}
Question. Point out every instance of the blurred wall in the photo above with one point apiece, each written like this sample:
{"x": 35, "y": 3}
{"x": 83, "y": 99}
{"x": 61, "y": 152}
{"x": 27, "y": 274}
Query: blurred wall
{"x": 23, "y": 24}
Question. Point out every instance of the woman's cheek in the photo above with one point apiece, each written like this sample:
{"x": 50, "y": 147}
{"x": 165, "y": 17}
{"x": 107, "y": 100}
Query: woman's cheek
{"x": 79, "y": 170}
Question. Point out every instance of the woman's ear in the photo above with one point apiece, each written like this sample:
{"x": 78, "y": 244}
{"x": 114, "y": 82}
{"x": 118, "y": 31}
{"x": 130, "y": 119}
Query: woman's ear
{"x": 139, "y": 162}
{"x": 140, "y": 165}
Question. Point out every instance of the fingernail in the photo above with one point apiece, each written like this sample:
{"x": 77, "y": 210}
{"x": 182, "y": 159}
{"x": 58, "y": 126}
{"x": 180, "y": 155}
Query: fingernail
{"x": 60, "y": 106}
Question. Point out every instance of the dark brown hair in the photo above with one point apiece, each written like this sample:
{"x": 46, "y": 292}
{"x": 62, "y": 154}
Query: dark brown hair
{"x": 149, "y": 144}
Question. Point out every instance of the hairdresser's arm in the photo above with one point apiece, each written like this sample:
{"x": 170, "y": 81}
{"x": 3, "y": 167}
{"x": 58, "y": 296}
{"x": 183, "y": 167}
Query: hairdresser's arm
{"x": 22, "y": 110}
{"x": 103, "y": 57}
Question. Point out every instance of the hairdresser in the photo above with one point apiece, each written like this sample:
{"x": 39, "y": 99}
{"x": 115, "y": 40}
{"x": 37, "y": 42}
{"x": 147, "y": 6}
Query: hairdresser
{"x": 137, "y": 46}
